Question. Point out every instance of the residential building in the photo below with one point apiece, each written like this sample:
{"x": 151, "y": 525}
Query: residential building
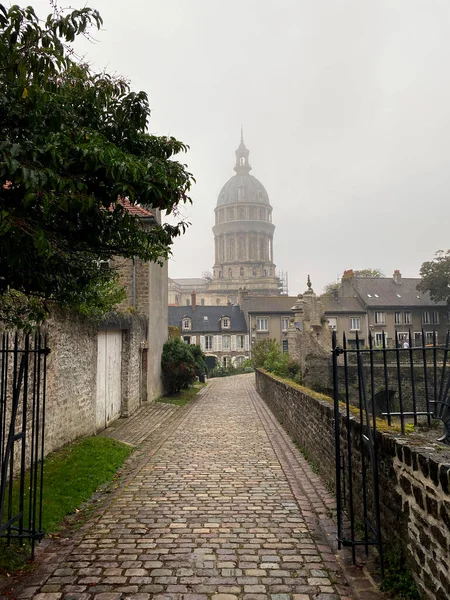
{"x": 267, "y": 317}
{"x": 221, "y": 331}
{"x": 146, "y": 285}
{"x": 387, "y": 307}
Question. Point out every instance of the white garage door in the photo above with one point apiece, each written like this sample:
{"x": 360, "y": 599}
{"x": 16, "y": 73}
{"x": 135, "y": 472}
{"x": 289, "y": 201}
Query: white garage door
{"x": 109, "y": 378}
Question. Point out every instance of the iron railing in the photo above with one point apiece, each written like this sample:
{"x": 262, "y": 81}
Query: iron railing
{"x": 405, "y": 384}
{"x": 23, "y": 371}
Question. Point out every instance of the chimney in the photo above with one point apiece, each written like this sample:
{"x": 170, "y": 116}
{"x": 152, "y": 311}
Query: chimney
{"x": 397, "y": 277}
{"x": 194, "y": 300}
{"x": 242, "y": 297}
{"x": 346, "y": 289}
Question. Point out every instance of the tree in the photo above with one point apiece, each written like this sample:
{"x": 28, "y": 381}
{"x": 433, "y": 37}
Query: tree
{"x": 73, "y": 143}
{"x": 435, "y": 277}
{"x": 181, "y": 364}
{"x": 332, "y": 288}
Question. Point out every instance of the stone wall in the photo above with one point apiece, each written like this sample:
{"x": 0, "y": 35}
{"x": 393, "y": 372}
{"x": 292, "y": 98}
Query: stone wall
{"x": 71, "y": 379}
{"x": 72, "y": 373}
{"x": 414, "y": 479}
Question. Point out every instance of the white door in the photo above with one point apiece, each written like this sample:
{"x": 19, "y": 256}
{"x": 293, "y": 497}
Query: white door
{"x": 109, "y": 378}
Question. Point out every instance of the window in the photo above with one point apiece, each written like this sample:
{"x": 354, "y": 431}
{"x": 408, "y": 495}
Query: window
{"x": 226, "y": 361}
{"x": 188, "y": 302}
{"x": 186, "y": 323}
{"x": 355, "y": 324}
{"x": 208, "y": 342}
{"x": 187, "y": 340}
{"x": 417, "y": 338}
{"x": 262, "y": 324}
{"x": 254, "y": 272}
{"x": 435, "y": 317}
{"x": 332, "y": 323}
{"x": 241, "y": 272}
{"x": 379, "y": 339}
{"x": 284, "y": 323}
{"x": 218, "y": 301}
{"x": 226, "y": 323}
{"x": 239, "y": 360}
{"x": 202, "y": 302}
{"x": 226, "y": 342}
{"x": 285, "y": 345}
{"x": 397, "y": 318}
{"x": 380, "y": 318}
{"x": 407, "y": 317}
{"x": 230, "y": 273}
{"x": 431, "y": 338}
{"x": 240, "y": 342}
{"x": 426, "y": 317}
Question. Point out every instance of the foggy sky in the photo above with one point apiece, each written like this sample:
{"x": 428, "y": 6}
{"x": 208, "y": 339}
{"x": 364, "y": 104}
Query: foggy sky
{"x": 346, "y": 112}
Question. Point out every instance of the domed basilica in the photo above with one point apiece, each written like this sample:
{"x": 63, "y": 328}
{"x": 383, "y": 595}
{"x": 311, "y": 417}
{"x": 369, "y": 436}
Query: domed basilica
{"x": 243, "y": 237}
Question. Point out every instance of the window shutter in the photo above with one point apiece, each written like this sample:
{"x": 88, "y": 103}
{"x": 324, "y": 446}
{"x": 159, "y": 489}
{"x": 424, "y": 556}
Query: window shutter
{"x": 202, "y": 342}
{"x": 219, "y": 343}
{"x": 247, "y": 343}
{"x": 193, "y": 339}
{"x": 233, "y": 343}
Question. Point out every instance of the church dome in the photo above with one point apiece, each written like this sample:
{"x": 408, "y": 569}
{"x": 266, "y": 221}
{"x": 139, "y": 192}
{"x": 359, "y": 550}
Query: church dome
{"x": 243, "y": 187}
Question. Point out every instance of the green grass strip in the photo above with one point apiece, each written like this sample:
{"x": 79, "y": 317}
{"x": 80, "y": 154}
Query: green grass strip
{"x": 74, "y": 473}
{"x": 71, "y": 476}
{"x": 184, "y": 396}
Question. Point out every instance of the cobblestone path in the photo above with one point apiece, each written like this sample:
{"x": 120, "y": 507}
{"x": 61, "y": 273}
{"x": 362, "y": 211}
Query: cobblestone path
{"x": 222, "y": 507}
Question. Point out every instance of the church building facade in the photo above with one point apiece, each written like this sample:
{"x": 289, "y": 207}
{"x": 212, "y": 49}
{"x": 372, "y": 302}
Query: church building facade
{"x": 243, "y": 241}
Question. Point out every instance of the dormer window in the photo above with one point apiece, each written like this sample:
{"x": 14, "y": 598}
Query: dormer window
{"x": 186, "y": 324}
{"x": 226, "y": 323}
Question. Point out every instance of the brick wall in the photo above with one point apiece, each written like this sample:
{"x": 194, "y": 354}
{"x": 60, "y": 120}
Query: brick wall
{"x": 414, "y": 481}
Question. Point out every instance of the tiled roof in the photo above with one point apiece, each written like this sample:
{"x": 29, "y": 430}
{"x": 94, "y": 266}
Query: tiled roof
{"x": 269, "y": 304}
{"x": 135, "y": 209}
{"x": 384, "y": 292}
{"x": 211, "y": 324}
{"x": 342, "y": 305}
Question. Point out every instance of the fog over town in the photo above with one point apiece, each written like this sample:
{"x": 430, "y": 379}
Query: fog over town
{"x": 346, "y": 113}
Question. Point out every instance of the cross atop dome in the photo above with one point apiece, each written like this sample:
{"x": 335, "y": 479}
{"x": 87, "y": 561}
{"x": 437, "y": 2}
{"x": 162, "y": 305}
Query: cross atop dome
{"x": 242, "y": 166}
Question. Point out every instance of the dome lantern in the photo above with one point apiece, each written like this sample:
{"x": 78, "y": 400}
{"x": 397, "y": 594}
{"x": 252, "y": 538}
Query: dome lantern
{"x": 242, "y": 166}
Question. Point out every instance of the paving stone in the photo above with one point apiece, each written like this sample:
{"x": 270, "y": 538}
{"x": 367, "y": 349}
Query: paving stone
{"x": 210, "y": 509}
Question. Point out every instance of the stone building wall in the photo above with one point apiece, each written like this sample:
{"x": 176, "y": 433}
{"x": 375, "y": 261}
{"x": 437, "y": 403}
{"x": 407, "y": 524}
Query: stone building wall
{"x": 158, "y": 327}
{"x": 134, "y": 361}
{"x": 414, "y": 481}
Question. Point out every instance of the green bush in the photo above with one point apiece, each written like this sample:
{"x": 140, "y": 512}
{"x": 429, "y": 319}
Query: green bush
{"x": 221, "y": 371}
{"x": 260, "y": 351}
{"x": 199, "y": 358}
{"x": 179, "y": 366}
{"x": 269, "y": 355}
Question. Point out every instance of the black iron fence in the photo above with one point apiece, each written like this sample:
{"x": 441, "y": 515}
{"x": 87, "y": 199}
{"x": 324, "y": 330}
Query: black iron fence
{"x": 406, "y": 385}
{"x": 23, "y": 370}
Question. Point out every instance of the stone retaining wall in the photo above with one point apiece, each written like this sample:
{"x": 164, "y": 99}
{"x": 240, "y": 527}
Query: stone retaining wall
{"x": 414, "y": 481}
